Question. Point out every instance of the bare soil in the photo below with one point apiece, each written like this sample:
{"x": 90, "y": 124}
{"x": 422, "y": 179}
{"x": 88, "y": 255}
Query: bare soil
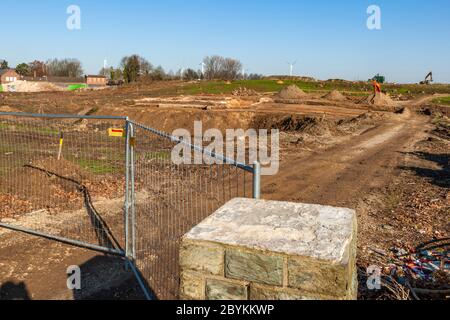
{"x": 392, "y": 168}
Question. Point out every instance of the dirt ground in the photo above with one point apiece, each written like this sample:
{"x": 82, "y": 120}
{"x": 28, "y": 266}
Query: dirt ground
{"x": 390, "y": 164}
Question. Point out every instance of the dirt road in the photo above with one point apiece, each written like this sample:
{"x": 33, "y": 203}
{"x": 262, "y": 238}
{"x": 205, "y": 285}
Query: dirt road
{"x": 345, "y": 173}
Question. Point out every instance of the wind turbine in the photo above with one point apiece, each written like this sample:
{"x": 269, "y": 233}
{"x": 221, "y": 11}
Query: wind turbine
{"x": 182, "y": 73}
{"x": 292, "y": 67}
{"x": 203, "y": 65}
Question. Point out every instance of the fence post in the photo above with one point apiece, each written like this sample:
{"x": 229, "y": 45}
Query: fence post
{"x": 127, "y": 191}
{"x": 256, "y": 180}
{"x": 132, "y": 192}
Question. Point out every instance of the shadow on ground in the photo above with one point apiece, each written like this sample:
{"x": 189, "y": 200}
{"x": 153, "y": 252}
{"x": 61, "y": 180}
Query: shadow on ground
{"x": 106, "y": 278}
{"x": 102, "y": 278}
{"x": 439, "y": 177}
{"x": 14, "y": 291}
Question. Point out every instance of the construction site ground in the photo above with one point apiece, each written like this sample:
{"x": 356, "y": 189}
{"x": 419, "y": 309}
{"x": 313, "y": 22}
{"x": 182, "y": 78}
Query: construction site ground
{"x": 389, "y": 162}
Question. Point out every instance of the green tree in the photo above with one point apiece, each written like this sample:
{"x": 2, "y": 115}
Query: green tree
{"x": 23, "y": 69}
{"x": 4, "y": 64}
{"x": 131, "y": 68}
{"x": 135, "y": 66}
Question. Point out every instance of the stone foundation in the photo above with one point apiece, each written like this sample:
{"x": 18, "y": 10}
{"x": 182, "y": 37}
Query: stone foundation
{"x": 266, "y": 250}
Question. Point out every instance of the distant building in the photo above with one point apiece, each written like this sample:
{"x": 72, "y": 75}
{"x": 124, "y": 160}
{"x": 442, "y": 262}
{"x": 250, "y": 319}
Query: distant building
{"x": 8, "y": 76}
{"x": 96, "y": 80}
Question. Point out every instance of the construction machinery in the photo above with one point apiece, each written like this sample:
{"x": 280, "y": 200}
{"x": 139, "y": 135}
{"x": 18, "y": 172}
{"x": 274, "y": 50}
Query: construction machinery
{"x": 428, "y": 79}
{"x": 378, "y": 78}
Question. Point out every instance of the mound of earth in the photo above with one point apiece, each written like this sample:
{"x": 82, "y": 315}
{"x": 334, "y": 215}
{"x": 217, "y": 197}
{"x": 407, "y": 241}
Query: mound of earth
{"x": 291, "y": 92}
{"x": 8, "y": 109}
{"x": 30, "y": 86}
{"x": 380, "y": 99}
{"x": 293, "y": 123}
{"x": 335, "y": 96}
{"x": 244, "y": 92}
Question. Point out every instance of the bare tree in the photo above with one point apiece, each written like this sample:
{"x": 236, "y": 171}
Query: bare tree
{"x": 38, "y": 69}
{"x": 190, "y": 74}
{"x": 158, "y": 73}
{"x": 65, "y": 68}
{"x": 231, "y": 69}
{"x": 213, "y": 66}
{"x": 217, "y": 67}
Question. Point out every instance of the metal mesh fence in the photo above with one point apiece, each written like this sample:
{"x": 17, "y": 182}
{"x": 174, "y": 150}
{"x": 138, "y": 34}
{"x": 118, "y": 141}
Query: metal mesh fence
{"x": 63, "y": 177}
{"x": 109, "y": 184}
{"x": 171, "y": 199}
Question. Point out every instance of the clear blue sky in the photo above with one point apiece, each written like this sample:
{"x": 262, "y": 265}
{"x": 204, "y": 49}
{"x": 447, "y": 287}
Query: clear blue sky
{"x": 329, "y": 38}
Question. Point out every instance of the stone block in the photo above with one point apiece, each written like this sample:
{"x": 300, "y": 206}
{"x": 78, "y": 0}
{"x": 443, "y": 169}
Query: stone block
{"x": 192, "y": 286}
{"x": 226, "y": 290}
{"x": 262, "y": 292}
{"x": 202, "y": 257}
{"x": 254, "y": 267}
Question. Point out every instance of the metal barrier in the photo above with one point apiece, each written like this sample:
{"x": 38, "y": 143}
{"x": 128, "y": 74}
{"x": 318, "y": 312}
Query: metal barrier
{"x": 54, "y": 169}
{"x": 109, "y": 184}
{"x": 170, "y": 199}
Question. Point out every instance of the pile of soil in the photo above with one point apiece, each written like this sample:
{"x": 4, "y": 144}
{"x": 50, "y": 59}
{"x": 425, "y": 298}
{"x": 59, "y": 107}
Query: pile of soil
{"x": 8, "y": 109}
{"x": 380, "y": 99}
{"x": 291, "y": 92}
{"x": 293, "y": 123}
{"x": 335, "y": 96}
{"x": 30, "y": 86}
{"x": 244, "y": 92}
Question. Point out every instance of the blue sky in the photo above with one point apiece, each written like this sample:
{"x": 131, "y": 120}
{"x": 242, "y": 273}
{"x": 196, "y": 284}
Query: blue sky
{"x": 329, "y": 39}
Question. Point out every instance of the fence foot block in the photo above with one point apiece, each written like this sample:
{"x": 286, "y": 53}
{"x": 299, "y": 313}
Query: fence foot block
{"x": 267, "y": 250}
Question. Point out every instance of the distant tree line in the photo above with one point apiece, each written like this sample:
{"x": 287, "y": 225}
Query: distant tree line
{"x": 71, "y": 68}
{"x": 136, "y": 68}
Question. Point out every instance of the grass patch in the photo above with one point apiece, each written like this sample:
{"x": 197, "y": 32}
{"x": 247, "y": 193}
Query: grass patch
{"x": 29, "y": 128}
{"x": 442, "y": 100}
{"x": 1, "y": 88}
{"x": 158, "y": 155}
{"x": 222, "y": 87}
{"x": 354, "y": 88}
{"x": 97, "y": 167}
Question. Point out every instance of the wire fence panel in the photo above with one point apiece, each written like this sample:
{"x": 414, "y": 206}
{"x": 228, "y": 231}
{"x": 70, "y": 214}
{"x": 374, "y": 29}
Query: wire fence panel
{"x": 110, "y": 184}
{"x": 169, "y": 200}
{"x": 64, "y": 177}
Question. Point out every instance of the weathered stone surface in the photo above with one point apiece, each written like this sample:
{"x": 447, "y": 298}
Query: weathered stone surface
{"x": 202, "y": 257}
{"x": 192, "y": 286}
{"x": 261, "y": 292}
{"x": 267, "y": 250}
{"x": 254, "y": 267}
{"x": 315, "y": 231}
{"x": 318, "y": 277}
{"x": 225, "y": 290}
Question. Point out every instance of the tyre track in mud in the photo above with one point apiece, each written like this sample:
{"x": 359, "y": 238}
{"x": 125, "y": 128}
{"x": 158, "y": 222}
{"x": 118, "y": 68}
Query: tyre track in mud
{"x": 347, "y": 172}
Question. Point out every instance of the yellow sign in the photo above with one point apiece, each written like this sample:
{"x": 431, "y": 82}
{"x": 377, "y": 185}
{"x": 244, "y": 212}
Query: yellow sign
{"x": 118, "y": 133}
